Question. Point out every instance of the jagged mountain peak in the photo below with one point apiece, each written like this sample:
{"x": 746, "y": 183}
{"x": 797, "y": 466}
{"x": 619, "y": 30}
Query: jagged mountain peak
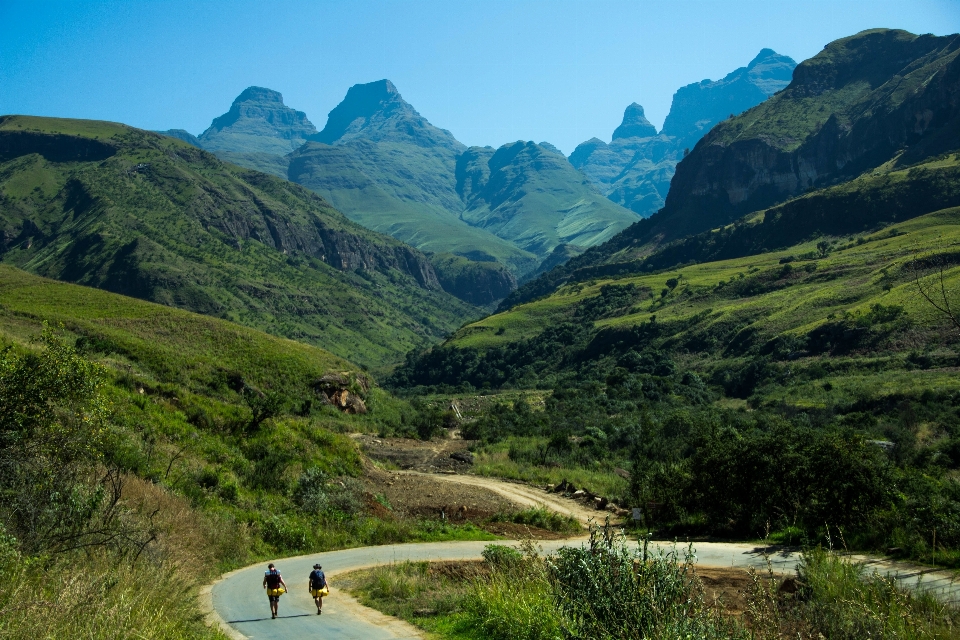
{"x": 258, "y": 121}
{"x": 377, "y": 112}
{"x": 635, "y": 124}
{"x": 259, "y": 94}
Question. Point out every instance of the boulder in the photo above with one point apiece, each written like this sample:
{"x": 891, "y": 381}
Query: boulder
{"x": 463, "y": 456}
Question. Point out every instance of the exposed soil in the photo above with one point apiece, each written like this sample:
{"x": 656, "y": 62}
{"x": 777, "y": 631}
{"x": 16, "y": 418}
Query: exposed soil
{"x": 428, "y": 482}
{"x": 426, "y": 496}
{"x": 726, "y": 589}
{"x": 425, "y": 481}
{"x": 415, "y": 455}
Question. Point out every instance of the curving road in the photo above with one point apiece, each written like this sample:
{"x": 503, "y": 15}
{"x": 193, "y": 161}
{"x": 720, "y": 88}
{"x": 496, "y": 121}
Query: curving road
{"x": 238, "y": 605}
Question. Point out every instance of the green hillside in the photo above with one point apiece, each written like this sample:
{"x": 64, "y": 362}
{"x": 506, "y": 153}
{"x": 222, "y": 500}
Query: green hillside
{"x": 718, "y": 315}
{"x": 136, "y": 213}
{"x": 531, "y": 195}
{"x": 372, "y": 183}
{"x": 783, "y": 395}
{"x": 146, "y": 450}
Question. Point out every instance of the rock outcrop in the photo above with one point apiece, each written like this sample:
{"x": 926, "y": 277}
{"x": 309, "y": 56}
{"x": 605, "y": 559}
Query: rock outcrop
{"x": 635, "y": 124}
{"x": 477, "y": 282}
{"x": 860, "y": 102}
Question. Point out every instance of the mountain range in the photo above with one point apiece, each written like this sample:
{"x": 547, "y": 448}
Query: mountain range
{"x": 635, "y": 168}
{"x": 518, "y": 210}
{"x": 857, "y": 139}
{"x": 147, "y": 216}
{"x": 385, "y": 166}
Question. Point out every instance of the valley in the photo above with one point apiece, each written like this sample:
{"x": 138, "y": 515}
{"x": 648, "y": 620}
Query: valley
{"x": 697, "y": 381}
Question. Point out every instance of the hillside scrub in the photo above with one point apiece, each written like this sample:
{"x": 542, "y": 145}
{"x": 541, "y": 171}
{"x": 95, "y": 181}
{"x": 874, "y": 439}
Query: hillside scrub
{"x": 611, "y": 589}
{"x": 815, "y": 381}
{"x": 133, "y": 467}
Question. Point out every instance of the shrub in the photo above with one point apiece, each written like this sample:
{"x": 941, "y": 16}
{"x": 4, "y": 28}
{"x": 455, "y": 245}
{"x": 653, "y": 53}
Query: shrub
{"x": 607, "y": 591}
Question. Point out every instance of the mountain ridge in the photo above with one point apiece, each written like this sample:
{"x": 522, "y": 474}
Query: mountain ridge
{"x": 636, "y": 167}
{"x": 388, "y": 168}
{"x": 152, "y": 217}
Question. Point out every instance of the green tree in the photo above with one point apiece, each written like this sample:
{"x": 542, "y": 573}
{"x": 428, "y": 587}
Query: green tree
{"x": 51, "y": 431}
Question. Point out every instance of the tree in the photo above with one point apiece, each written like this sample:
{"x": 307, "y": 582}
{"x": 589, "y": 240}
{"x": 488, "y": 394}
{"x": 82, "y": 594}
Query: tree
{"x": 52, "y": 426}
{"x": 933, "y": 284}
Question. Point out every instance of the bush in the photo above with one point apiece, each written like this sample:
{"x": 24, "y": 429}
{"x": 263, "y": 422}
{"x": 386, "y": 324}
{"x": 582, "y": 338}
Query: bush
{"x": 607, "y": 591}
{"x": 498, "y": 555}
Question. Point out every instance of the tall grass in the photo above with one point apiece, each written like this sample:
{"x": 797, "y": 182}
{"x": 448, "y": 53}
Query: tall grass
{"x": 606, "y": 590}
{"x": 843, "y": 602}
{"x": 96, "y": 596}
{"x": 494, "y": 460}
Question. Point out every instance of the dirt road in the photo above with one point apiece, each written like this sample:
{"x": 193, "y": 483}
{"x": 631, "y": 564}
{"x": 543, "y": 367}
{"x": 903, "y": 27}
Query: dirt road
{"x": 521, "y": 495}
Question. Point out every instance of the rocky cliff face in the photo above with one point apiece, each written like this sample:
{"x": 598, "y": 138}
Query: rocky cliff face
{"x": 258, "y": 121}
{"x": 636, "y": 167}
{"x": 861, "y": 102}
{"x": 699, "y": 106}
{"x": 479, "y": 283}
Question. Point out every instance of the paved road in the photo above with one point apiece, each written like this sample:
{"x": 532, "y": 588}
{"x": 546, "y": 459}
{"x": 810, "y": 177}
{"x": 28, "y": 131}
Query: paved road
{"x": 241, "y": 608}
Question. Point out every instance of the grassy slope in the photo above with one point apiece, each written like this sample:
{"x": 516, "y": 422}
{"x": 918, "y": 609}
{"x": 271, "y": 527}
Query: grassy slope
{"x": 168, "y": 343}
{"x": 178, "y": 421}
{"x": 849, "y": 281}
{"x": 534, "y": 197}
{"x": 370, "y": 191}
{"x": 183, "y": 232}
{"x": 215, "y": 492}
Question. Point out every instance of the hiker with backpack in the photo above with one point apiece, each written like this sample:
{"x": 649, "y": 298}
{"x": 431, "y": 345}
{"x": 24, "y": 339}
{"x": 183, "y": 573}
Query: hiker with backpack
{"x": 275, "y": 586}
{"x": 318, "y": 587}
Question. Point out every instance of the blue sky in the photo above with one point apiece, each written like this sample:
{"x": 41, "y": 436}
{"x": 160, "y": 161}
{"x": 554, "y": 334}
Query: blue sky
{"x": 491, "y": 72}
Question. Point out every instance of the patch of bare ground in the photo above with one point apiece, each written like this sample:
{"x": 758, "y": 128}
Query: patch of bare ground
{"x": 726, "y": 589}
{"x": 432, "y": 456}
{"x": 433, "y": 485}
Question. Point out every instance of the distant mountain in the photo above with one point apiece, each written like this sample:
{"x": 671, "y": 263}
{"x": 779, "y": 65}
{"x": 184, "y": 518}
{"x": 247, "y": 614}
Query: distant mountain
{"x": 151, "y": 217}
{"x": 388, "y": 168}
{"x": 182, "y": 134}
{"x": 861, "y": 137}
{"x": 877, "y": 96}
{"x": 636, "y": 167}
{"x": 530, "y": 194}
{"x": 258, "y": 122}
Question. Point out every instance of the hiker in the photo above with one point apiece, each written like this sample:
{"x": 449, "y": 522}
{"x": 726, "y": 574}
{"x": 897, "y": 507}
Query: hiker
{"x": 318, "y": 587}
{"x": 275, "y": 586}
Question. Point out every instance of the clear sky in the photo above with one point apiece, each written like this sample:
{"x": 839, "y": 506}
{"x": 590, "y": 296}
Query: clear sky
{"x": 491, "y": 72}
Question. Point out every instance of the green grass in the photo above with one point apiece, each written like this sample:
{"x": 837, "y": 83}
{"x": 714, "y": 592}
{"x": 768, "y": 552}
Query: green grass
{"x": 848, "y": 281}
{"x": 493, "y": 460}
{"x": 541, "y": 518}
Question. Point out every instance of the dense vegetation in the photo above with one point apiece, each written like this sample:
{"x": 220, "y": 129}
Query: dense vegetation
{"x": 147, "y": 449}
{"x": 608, "y": 590}
{"x": 152, "y": 217}
{"x": 783, "y": 393}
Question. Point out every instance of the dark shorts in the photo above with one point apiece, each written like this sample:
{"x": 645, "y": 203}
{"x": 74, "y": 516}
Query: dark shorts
{"x": 273, "y": 598}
